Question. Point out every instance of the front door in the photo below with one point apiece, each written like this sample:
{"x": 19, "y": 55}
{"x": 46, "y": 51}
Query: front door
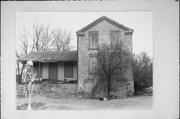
{"x": 53, "y": 70}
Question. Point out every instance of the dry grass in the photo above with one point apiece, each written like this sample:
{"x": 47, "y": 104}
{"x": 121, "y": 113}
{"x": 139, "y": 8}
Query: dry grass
{"x": 44, "y": 103}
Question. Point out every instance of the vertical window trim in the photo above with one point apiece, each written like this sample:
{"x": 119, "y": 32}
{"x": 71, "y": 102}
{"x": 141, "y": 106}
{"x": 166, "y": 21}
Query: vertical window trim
{"x": 93, "y": 33}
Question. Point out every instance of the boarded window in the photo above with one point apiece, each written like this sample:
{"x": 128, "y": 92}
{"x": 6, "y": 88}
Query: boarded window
{"x": 115, "y": 38}
{"x": 38, "y": 68}
{"x": 53, "y": 70}
{"x": 92, "y": 65}
{"x": 93, "y": 40}
{"x": 68, "y": 70}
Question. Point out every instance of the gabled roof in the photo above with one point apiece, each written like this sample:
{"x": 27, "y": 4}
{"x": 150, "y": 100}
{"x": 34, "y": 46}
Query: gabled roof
{"x": 51, "y": 56}
{"x": 100, "y": 20}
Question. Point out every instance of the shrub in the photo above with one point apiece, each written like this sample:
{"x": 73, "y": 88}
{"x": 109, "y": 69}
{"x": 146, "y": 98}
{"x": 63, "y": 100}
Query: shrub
{"x": 142, "y": 66}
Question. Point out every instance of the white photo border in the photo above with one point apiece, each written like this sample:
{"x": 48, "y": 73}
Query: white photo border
{"x": 165, "y": 57}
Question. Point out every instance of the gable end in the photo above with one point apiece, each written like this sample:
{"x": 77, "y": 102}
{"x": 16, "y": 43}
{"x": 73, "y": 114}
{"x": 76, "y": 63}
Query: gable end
{"x": 103, "y": 18}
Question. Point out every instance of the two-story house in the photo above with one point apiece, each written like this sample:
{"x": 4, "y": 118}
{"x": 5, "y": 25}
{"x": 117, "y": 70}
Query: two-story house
{"x": 102, "y": 31}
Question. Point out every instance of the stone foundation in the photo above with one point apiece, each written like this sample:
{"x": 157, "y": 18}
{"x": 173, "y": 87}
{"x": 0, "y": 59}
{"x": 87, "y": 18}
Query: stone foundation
{"x": 50, "y": 90}
{"x": 95, "y": 89}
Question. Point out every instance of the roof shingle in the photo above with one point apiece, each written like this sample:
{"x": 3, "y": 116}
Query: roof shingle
{"x": 51, "y": 56}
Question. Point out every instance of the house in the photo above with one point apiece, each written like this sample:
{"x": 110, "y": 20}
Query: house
{"x": 78, "y": 65}
{"x": 102, "y": 30}
{"x": 53, "y": 65}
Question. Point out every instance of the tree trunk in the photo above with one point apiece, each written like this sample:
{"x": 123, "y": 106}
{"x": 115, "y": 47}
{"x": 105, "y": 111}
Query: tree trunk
{"x": 108, "y": 88}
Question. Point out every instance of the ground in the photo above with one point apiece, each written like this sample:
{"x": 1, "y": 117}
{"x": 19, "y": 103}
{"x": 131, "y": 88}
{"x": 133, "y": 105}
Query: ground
{"x": 45, "y": 103}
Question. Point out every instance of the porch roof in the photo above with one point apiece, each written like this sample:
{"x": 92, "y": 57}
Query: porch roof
{"x": 51, "y": 56}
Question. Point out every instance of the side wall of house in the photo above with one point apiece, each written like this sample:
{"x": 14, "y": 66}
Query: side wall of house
{"x": 86, "y": 81}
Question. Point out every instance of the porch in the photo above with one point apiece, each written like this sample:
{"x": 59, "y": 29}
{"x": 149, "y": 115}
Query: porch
{"x": 63, "y": 71}
{"x": 54, "y": 65}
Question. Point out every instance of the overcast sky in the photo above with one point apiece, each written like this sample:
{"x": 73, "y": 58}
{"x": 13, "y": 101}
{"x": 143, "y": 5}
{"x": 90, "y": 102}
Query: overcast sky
{"x": 141, "y": 22}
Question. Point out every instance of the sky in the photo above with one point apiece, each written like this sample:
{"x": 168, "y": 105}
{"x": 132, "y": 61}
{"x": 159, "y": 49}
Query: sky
{"x": 140, "y": 22}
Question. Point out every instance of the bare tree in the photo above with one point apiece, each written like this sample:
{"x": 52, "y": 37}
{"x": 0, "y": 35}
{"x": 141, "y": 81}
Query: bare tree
{"x": 37, "y": 40}
{"x": 19, "y": 67}
{"x": 61, "y": 39}
{"x": 24, "y": 45}
{"x": 142, "y": 66}
{"x": 24, "y": 42}
{"x": 41, "y": 37}
{"x": 111, "y": 61}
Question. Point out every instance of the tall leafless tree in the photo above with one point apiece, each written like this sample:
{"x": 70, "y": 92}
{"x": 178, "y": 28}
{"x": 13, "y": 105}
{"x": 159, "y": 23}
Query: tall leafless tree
{"x": 112, "y": 60}
{"x": 41, "y": 37}
{"x": 24, "y": 42}
{"x": 25, "y": 49}
{"x": 19, "y": 67}
{"x": 61, "y": 39}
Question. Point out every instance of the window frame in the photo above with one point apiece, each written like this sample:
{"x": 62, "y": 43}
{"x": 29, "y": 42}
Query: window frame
{"x": 38, "y": 67}
{"x": 92, "y": 56}
{"x": 65, "y": 64}
{"x": 96, "y": 34}
{"x": 118, "y": 32}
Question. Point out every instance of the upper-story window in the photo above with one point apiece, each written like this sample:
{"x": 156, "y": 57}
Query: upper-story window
{"x": 115, "y": 38}
{"x": 93, "y": 40}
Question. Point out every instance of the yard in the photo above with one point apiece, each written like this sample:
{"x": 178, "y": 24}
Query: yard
{"x": 45, "y": 103}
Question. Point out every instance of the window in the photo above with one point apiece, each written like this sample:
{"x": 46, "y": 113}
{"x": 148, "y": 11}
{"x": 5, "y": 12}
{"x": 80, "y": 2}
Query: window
{"x": 93, "y": 40}
{"x": 68, "y": 70}
{"x": 53, "y": 70}
{"x": 115, "y": 38}
{"x": 92, "y": 65}
{"x": 38, "y": 68}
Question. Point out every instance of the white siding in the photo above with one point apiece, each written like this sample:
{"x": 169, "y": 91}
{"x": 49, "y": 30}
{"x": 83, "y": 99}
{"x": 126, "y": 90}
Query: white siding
{"x": 75, "y": 71}
{"x": 60, "y": 71}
